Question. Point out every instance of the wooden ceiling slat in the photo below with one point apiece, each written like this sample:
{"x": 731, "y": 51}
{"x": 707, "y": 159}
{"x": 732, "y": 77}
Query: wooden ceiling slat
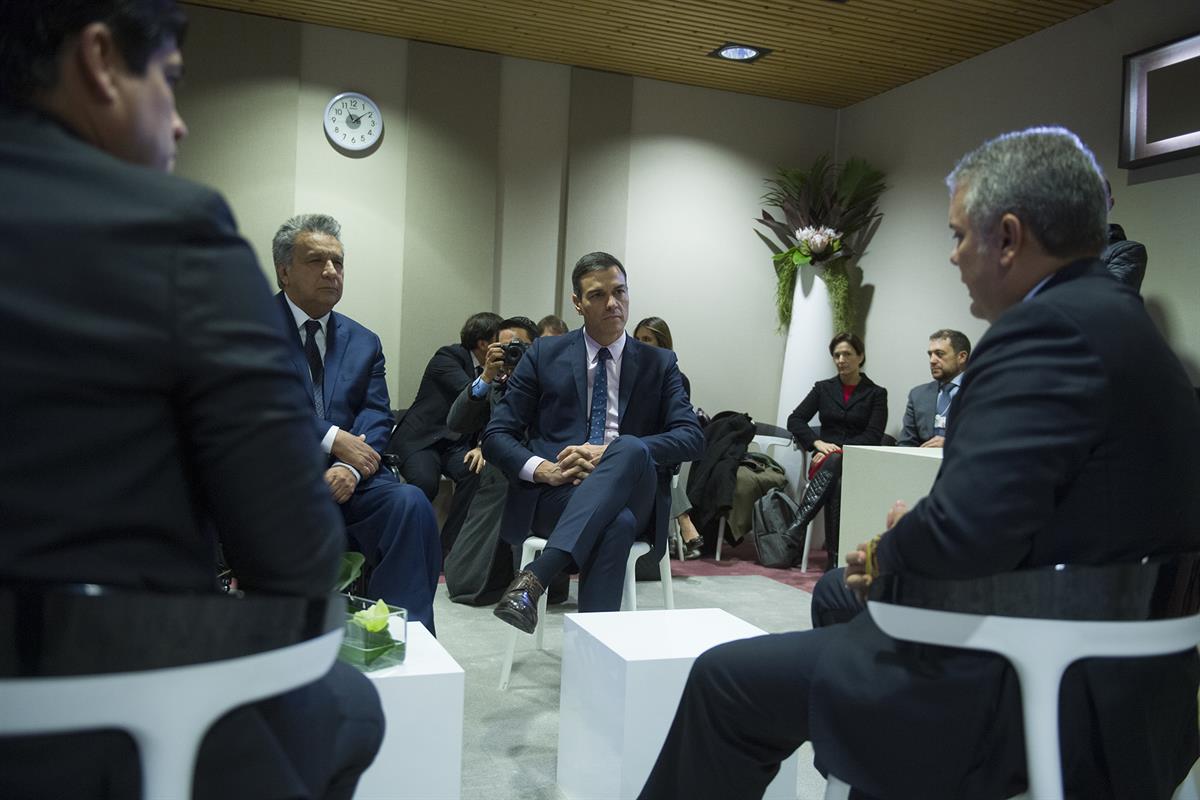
{"x": 826, "y": 53}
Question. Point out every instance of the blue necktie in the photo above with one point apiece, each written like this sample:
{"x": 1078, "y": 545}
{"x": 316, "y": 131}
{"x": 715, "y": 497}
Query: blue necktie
{"x": 945, "y": 395}
{"x": 316, "y": 367}
{"x": 599, "y": 398}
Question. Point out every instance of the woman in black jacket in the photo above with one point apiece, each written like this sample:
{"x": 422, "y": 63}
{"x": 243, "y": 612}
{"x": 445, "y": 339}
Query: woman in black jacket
{"x": 852, "y": 410}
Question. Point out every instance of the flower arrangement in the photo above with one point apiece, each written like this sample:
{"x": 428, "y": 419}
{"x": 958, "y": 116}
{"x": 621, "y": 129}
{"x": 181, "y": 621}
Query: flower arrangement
{"x": 829, "y": 211}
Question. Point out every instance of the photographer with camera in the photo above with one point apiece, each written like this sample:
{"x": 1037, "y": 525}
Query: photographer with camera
{"x": 480, "y": 564}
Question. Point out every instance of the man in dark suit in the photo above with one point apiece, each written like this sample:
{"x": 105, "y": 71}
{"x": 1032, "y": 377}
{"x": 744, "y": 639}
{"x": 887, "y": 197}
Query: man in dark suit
{"x": 590, "y": 427}
{"x": 929, "y": 404}
{"x": 341, "y": 365}
{"x": 1072, "y": 442}
{"x": 152, "y": 411}
{"x": 423, "y": 444}
{"x": 1124, "y": 258}
{"x": 480, "y": 565}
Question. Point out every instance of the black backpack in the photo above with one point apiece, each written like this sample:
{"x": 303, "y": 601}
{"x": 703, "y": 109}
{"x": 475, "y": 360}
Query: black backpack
{"x": 778, "y": 538}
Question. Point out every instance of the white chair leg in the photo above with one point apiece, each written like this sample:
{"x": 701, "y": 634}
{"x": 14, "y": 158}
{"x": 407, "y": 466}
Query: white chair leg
{"x": 720, "y": 537}
{"x": 1039, "y": 703}
{"x": 629, "y": 593}
{"x": 807, "y": 542}
{"x": 664, "y": 575}
{"x": 529, "y": 551}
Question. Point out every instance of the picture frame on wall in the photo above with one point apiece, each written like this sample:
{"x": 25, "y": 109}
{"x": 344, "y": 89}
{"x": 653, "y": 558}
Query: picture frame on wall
{"x": 1160, "y": 118}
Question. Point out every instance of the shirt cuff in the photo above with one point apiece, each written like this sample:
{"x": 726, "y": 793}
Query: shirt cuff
{"x": 327, "y": 442}
{"x": 530, "y": 467}
{"x": 357, "y": 477}
{"x": 479, "y": 388}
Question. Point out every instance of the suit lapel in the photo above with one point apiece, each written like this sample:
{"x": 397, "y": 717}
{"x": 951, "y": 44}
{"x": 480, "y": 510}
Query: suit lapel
{"x": 299, "y": 361}
{"x": 579, "y": 367}
{"x": 337, "y": 340}
{"x": 629, "y": 372}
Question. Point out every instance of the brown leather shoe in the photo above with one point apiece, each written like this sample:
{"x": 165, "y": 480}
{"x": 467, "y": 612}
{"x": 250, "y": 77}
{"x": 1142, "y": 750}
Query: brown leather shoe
{"x": 518, "y": 604}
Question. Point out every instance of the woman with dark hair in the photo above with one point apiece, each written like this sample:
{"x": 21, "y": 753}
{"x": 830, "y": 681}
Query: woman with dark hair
{"x": 851, "y": 409}
{"x": 655, "y": 332}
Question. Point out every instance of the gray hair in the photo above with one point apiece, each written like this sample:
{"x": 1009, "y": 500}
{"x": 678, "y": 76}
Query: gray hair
{"x": 1048, "y": 178}
{"x": 285, "y": 237}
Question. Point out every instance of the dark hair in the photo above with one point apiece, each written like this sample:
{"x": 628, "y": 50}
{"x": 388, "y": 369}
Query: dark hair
{"x": 593, "y": 262}
{"x": 552, "y": 324}
{"x": 483, "y": 325}
{"x": 958, "y": 341}
{"x": 658, "y": 326}
{"x": 852, "y": 340}
{"x": 524, "y": 323}
{"x": 33, "y": 33}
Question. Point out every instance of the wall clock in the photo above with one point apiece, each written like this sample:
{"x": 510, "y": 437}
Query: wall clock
{"x": 353, "y": 121}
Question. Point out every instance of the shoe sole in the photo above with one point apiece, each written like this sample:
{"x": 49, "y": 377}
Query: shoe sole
{"x": 515, "y": 619}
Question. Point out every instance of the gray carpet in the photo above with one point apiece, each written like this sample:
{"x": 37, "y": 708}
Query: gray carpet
{"x": 525, "y": 717}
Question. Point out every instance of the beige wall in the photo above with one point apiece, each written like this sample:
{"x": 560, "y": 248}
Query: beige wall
{"x": 496, "y": 174}
{"x": 1067, "y": 75}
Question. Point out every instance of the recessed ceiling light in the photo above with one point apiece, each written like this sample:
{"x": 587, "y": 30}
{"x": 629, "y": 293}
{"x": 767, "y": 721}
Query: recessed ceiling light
{"x": 734, "y": 51}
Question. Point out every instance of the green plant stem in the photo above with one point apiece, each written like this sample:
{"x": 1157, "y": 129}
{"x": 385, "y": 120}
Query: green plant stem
{"x": 837, "y": 283}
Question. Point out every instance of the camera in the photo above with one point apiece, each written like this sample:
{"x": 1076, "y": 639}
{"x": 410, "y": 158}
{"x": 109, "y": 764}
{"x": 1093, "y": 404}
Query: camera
{"x": 513, "y": 351}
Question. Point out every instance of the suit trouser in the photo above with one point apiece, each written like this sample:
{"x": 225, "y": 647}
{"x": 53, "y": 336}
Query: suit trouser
{"x": 600, "y": 519}
{"x": 424, "y": 469}
{"x": 743, "y": 711}
{"x": 393, "y": 525}
{"x": 832, "y": 601}
{"x": 313, "y": 742}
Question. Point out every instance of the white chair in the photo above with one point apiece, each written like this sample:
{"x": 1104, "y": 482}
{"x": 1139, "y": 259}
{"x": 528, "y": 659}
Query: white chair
{"x": 529, "y": 551}
{"x": 1157, "y": 615}
{"x": 168, "y": 710}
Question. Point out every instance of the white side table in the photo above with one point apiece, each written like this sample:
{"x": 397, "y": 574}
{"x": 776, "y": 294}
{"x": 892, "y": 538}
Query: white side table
{"x": 421, "y": 756}
{"x": 622, "y": 676}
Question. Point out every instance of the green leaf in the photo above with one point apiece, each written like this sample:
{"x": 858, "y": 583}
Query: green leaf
{"x": 348, "y": 572}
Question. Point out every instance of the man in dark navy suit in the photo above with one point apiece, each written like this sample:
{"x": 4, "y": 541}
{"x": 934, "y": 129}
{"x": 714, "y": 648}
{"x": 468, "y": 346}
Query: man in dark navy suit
{"x": 341, "y": 364}
{"x": 607, "y": 421}
{"x": 1071, "y": 442}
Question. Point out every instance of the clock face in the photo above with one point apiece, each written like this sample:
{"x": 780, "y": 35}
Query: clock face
{"x": 353, "y": 121}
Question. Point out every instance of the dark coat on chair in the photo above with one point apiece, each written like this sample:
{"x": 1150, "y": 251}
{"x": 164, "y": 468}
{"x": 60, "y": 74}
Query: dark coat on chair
{"x": 1094, "y": 469}
{"x": 859, "y": 421}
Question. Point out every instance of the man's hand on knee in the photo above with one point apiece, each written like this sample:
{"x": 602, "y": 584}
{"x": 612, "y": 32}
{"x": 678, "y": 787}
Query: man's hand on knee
{"x": 355, "y": 451}
{"x": 341, "y": 482}
{"x": 581, "y": 459}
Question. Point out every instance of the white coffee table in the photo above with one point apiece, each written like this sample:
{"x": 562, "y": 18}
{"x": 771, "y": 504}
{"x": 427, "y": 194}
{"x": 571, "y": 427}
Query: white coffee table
{"x": 622, "y": 676}
{"x": 421, "y": 756}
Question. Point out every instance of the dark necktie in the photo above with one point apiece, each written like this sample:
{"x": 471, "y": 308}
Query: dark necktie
{"x": 599, "y": 398}
{"x": 478, "y": 370}
{"x": 315, "y": 367}
{"x": 945, "y": 395}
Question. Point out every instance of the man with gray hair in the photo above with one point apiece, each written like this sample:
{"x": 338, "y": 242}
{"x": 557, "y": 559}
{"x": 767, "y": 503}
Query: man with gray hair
{"x": 1046, "y": 462}
{"x": 341, "y": 365}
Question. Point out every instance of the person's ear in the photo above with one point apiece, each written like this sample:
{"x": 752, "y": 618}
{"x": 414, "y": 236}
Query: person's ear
{"x": 1011, "y": 234}
{"x": 98, "y": 62}
{"x": 281, "y": 275}
{"x": 576, "y": 303}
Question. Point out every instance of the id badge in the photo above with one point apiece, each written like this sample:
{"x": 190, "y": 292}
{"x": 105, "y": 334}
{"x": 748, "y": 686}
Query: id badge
{"x": 939, "y": 421}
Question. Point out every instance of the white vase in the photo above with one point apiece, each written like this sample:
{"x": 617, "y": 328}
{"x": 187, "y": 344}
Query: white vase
{"x": 806, "y": 354}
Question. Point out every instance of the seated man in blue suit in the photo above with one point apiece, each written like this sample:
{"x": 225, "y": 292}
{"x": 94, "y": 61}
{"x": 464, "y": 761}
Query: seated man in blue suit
{"x": 928, "y": 409}
{"x": 607, "y": 419}
{"x": 341, "y": 364}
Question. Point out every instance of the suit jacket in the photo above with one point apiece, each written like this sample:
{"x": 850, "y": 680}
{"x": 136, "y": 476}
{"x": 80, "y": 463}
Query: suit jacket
{"x": 547, "y": 399}
{"x": 355, "y": 386}
{"x": 424, "y": 424}
{"x": 1072, "y": 441}
{"x": 150, "y": 402}
{"x": 469, "y": 415}
{"x": 860, "y": 421}
{"x": 919, "y": 414}
{"x": 151, "y": 411}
